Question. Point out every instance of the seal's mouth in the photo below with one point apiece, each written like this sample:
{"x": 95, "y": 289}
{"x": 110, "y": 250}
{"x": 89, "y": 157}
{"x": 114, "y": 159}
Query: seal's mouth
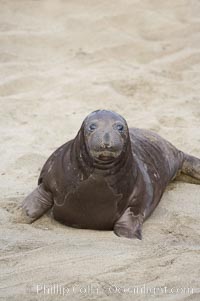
{"x": 106, "y": 156}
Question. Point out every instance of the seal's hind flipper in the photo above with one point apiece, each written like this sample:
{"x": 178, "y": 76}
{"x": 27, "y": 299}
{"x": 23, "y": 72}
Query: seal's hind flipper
{"x": 190, "y": 169}
{"x": 129, "y": 225}
{"x": 37, "y": 202}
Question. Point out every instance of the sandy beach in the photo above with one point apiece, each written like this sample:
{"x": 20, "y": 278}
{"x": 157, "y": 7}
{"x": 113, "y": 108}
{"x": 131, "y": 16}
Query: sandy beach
{"x": 60, "y": 60}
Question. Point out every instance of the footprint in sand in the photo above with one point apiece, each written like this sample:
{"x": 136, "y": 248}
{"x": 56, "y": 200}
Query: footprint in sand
{"x": 11, "y": 208}
{"x": 172, "y": 122}
{"x": 30, "y": 161}
{"x": 131, "y": 87}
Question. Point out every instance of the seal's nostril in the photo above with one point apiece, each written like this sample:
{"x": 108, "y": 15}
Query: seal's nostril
{"x": 107, "y": 145}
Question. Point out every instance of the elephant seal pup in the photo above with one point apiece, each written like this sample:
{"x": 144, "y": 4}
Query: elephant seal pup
{"x": 109, "y": 177}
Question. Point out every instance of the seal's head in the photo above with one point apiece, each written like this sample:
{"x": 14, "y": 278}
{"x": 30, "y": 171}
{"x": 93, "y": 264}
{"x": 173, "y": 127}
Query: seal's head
{"x": 106, "y": 135}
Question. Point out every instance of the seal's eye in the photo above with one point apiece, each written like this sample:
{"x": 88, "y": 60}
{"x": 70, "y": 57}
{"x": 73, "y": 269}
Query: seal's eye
{"x": 92, "y": 127}
{"x": 120, "y": 127}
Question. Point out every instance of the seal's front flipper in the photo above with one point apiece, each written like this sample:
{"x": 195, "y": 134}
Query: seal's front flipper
{"x": 129, "y": 225}
{"x": 190, "y": 169}
{"x": 37, "y": 202}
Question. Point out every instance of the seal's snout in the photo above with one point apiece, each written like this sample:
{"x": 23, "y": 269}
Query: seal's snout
{"x": 107, "y": 148}
{"x": 106, "y": 142}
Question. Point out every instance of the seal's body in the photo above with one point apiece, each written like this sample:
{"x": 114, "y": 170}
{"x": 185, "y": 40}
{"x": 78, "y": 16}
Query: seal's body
{"x": 108, "y": 177}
